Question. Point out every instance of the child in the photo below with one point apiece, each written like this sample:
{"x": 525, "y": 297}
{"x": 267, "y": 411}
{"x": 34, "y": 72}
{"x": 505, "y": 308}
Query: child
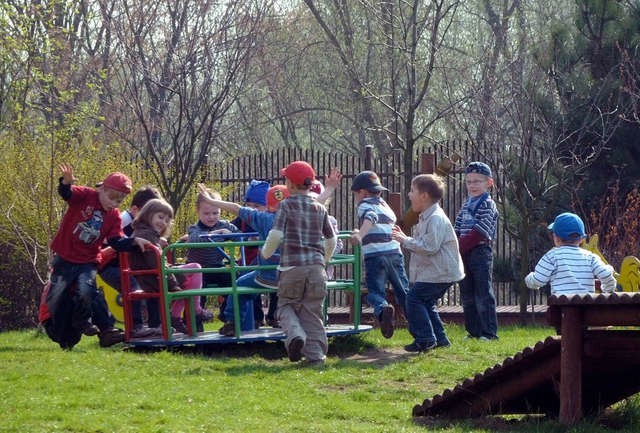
{"x": 153, "y": 223}
{"x": 383, "y": 259}
{"x": 91, "y": 217}
{"x": 110, "y": 271}
{"x": 209, "y": 223}
{"x": 256, "y": 198}
{"x": 262, "y": 221}
{"x": 569, "y": 268}
{"x": 435, "y": 263}
{"x": 476, "y": 229}
{"x": 308, "y": 240}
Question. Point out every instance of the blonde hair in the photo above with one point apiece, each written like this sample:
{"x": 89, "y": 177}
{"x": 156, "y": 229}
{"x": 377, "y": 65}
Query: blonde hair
{"x": 202, "y": 199}
{"x": 152, "y": 207}
{"x": 431, "y": 184}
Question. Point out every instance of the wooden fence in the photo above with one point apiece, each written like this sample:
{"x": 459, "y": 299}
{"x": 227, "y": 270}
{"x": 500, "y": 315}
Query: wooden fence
{"x": 238, "y": 172}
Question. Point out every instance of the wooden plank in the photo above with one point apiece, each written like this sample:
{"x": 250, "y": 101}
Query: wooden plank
{"x": 571, "y": 366}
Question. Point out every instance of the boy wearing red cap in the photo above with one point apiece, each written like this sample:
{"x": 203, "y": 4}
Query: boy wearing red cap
{"x": 92, "y": 216}
{"x": 302, "y": 226}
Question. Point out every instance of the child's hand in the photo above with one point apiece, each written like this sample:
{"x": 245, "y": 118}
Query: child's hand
{"x": 202, "y": 189}
{"x": 183, "y": 238}
{"x": 67, "y": 174}
{"x": 163, "y": 242}
{"x": 355, "y": 237}
{"x": 141, "y": 243}
{"x": 397, "y": 234}
{"x": 220, "y": 232}
{"x": 332, "y": 180}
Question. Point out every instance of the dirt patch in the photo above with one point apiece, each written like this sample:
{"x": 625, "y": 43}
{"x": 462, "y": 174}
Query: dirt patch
{"x": 377, "y": 356}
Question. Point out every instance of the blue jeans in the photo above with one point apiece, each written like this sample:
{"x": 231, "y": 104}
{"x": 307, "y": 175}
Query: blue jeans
{"x": 380, "y": 269}
{"x": 247, "y": 321}
{"x": 111, "y": 275}
{"x": 422, "y": 313}
{"x": 87, "y": 302}
{"x": 476, "y": 293}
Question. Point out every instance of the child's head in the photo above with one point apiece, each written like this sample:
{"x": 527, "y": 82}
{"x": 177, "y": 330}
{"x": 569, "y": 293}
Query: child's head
{"x": 568, "y": 229}
{"x": 256, "y": 195}
{"x": 426, "y": 189}
{"x": 367, "y": 183}
{"x": 113, "y": 190}
{"x": 300, "y": 176}
{"x": 477, "y": 178}
{"x": 141, "y": 197}
{"x": 208, "y": 214}
{"x": 157, "y": 214}
{"x": 275, "y": 195}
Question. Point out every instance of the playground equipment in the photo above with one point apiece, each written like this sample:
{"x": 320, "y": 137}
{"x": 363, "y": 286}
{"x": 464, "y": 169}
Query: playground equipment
{"x": 590, "y": 365}
{"x": 347, "y": 265}
{"x": 628, "y": 278}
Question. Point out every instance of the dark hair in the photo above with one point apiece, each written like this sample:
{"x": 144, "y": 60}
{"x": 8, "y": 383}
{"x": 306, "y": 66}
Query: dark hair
{"x": 151, "y": 208}
{"x": 431, "y": 184}
{"x": 143, "y": 195}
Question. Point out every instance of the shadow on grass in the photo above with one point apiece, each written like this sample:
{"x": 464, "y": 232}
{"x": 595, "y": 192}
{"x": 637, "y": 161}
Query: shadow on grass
{"x": 623, "y": 418}
{"x": 346, "y": 349}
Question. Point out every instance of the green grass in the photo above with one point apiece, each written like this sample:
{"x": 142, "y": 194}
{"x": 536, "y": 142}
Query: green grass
{"x": 368, "y": 385}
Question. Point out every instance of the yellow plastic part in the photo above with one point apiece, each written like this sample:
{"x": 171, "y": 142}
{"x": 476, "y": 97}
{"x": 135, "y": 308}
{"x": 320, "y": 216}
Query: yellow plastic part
{"x": 113, "y": 298}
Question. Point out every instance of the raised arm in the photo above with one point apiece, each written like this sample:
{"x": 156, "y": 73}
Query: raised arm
{"x": 226, "y": 206}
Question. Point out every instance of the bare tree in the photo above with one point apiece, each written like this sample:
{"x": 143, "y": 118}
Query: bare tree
{"x": 179, "y": 67}
{"x": 394, "y": 62}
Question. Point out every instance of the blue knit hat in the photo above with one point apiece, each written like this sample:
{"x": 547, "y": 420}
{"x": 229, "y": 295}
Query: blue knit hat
{"x": 257, "y": 192}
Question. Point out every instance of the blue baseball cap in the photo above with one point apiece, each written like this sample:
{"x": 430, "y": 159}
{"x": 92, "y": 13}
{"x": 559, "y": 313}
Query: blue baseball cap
{"x": 367, "y": 180}
{"x": 568, "y": 227}
{"x": 257, "y": 192}
{"x": 478, "y": 167}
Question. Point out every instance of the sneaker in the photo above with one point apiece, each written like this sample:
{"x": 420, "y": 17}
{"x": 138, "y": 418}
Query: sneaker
{"x": 419, "y": 347}
{"x": 483, "y": 338}
{"x": 90, "y": 330}
{"x": 179, "y": 325}
{"x": 157, "y": 331}
{"x": 111, "y": 336}
{"x": 273, "y": 323}
{"x": 386, "y": 321}
{"x": 314, "y": 362}
{"x": 228, "y": 329}
{"x": 444, "y": 343}
{"x": 207, "y": 316}
{"x": 295, "y": 349}
{"x": 142, "y": 331}
{"x": 199, "y": 323}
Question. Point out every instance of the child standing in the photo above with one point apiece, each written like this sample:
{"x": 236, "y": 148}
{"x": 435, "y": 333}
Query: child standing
{"x": 91, "y": 217}
{"x": 569, "y": 268}
{"x": 475, "y": 226}
{"x": 435, "y": 263}
{"x": 256, "y": 198}
{"x": 262, "y": 222}
{"x": 383, "y": 259}
{"x": 308, "y": 241}
{"x": 209, "y": 223}
{"x": 153, "y": 223}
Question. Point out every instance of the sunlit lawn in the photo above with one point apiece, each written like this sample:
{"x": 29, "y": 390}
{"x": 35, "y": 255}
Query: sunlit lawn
{"x": 369, "y": 384}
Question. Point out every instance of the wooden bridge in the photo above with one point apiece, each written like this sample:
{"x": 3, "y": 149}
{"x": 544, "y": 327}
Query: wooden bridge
{"x": 590, "y": 365}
